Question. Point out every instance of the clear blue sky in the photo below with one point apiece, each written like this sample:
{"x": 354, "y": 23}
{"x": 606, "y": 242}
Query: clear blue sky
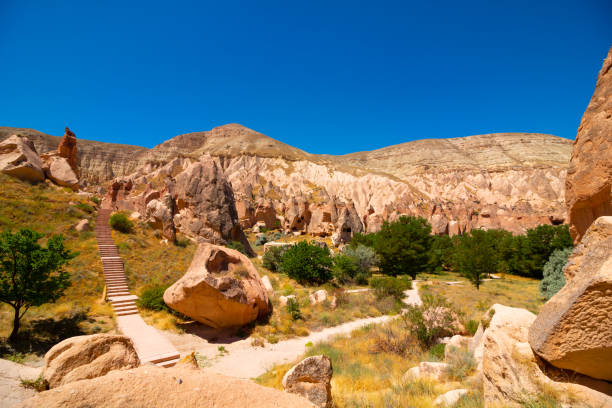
{"x": 324, "y": 76}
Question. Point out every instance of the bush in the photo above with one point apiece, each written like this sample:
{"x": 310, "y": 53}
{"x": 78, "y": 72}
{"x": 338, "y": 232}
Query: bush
{"x": 461, "y": 364}
{"x": 272, "y": 258}
{"x": 307, "y": 263}
{"x": 95, "y": 200}
{"x": 436, "y": 352}
{"x": 389, "y": 286}
{"x": 182, "y": 242}
{"x": 431, "y": 321}
{"x": 120, "y": 222}
{"x": 238, "y": 246}
{"x": 261, "y": 239}
{"x": 553, "y": 279}
{"x": 354, "y": 264}
{"x": 403, "y": 246}
{"x": 152, "y": 298}
{"x": 85, "y": 207}
{"x": 293, "y": 308}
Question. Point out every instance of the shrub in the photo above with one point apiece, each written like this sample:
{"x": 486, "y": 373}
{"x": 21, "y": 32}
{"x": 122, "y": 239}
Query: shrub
{"x": 272, "y": 258}
{"x": 261, "y": 239}
{"x": 471, "y": 326}
{"x": 436, "y": 352}
{"x": 389, "y": 286}
{"x": 403, "y": 246}
{"x": 461, "y": 364}
{"x": 152, "y": 298}
{"x": 238, "y": 246}
{"x": 354, "y": 264}
{"x": 182, "y": 242}
{"x": 293, "y": 308}
{"x": 85, "y": 207}
{"x": 389, "y": 339}
{"x": 95, "y": 200}
{"x": 430, "y": 321}
{"x": 120, "y": 222}
{"x": 307, "y": 263}
{"x": 553, "y": 279}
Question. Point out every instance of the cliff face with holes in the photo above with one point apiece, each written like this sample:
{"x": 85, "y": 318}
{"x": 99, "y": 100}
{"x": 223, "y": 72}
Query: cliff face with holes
{"x": 507, "y": 180}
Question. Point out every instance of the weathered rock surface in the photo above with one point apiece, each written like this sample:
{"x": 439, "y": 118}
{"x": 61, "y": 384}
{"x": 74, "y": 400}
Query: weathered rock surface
{"x": 574, "y": 328}
{"x": 221, "y": 288}
{"x": 311, "y": 378}
{"x": 589, "y": 177}
{"x": 68, "y": 150}
{"x": 510, "y": 181}
{"x": 318, "y": 296}
{"x": 450, "y": 398}
{"x": 151, "y": 386}
{"x": 513, "y": 374}
{"x": 82, "y": 225}
{"x": 267, "y": 284}
{"x": 11, "y": 375}
{"x": 58, "y": 170}
{"x": 84, "y": 357}
{"x": 18, "y": 158}
{"x": 427, "y": 370}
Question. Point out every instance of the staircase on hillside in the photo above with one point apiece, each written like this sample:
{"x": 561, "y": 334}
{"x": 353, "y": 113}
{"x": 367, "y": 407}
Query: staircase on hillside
{"x": 150, "y": 345}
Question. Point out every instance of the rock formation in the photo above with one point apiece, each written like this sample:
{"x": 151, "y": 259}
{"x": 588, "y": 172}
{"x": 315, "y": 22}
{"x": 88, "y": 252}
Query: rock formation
{"x": 512, "y": 374}
{"x": 574, "y": 328}
{"x": 221, "y": 289}
{"x": 151, "y": 386}
{"x": 18, "y": 158}
{"x": 85, "y": 357}
{"x": 510, "y": 181}
{"x": 311, "y": 378}
{"x": 589, "y": 177}
{"x": 68, "y": 150}
{"x": 58, "y": 170}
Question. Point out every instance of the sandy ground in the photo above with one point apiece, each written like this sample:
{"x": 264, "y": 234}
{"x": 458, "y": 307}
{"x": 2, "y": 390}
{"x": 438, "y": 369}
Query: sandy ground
{"x": 11, "y": 391}
{"x": 243, "y": 360}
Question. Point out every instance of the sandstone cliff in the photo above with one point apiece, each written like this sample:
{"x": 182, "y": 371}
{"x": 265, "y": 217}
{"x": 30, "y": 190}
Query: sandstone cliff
{"x": 589, "y": 177}
{"x": 508, "y": 180}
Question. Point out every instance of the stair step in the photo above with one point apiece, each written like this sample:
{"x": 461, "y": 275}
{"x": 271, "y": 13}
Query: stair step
{"x": 124, "y": 303}
{"x": 122, "y": 298}
{"x": 121, "y": 292}
{"x": 128, "y": 312}
{"x": 125, "y": 308}
{"x": 169, "y": 363}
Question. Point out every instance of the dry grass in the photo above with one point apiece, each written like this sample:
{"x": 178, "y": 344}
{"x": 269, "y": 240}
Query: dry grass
{"x": 514, "y": 291}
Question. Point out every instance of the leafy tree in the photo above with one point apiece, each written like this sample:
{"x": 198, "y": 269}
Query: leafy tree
{"x": 403, "y": 246}
{"x": 30, "y": 274}
{"x": 476, "y": 256}
{"x": 307, "y": 263}
{"x": 441, "y": 253}
{"x": 272, "y": 258}
{"x": 543, "y": 241}
{"x": 554, "y": 279}
{"x": 362, "y": 239}
{"x": 121, "y": 223}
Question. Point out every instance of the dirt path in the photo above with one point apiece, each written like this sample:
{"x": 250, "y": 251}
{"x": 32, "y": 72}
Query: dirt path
{"x": 245, "y": 361}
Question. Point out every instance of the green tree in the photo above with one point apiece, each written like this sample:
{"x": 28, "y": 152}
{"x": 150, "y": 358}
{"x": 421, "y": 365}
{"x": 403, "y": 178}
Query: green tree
{"x": 307, "y": 263}
{"x": 476, "y": 256}
{"x": 441, "y": 253}
{"x": 543, "y": 241}
{"x": 362, "y": 239}
{"x": 553, "y": 279}
{"x": 30, "y": 274}
{"x": 355, "y": 264}
{"x": 403, "y": 246}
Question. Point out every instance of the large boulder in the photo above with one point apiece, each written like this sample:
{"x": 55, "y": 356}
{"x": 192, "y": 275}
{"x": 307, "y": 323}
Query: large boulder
{"x": 221, "y": 289}
{"x": 58, "y": 170}
{"x": 311, "y": 378}
{"x": 83, "y": 357}
{"x": 18, "y": 158}
{"x": 574, "y": 328}
{"x": 151, "y": 386}
{"x": 589, "y": 178}
{"x": 512, "y": 374}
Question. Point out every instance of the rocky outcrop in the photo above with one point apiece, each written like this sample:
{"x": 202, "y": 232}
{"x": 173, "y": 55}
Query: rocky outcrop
{"x": 68, "y": 150}
{"x": 221, "y": 289}
{"x": 574, "y": 328}
{"x": 589, "y": 177}
{"x": 151, "y": 386}
{"x": 311, "y": 378}
{"x": 58, "y": 170}
{"x": 18, "y": 158}
{"x": 82, "y": 225}
{"x": 512, "y": 374}
{"x": 84, "y": 357}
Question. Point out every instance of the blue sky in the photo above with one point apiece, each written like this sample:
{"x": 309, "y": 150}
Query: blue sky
{"x": 324, "y": 76}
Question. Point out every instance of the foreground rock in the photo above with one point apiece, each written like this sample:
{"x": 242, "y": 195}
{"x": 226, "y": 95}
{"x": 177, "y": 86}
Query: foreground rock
{"x": 11, "y": 375}
{"x": 574, "y": 328}
{"x": 450, "y": 398}
{"x": 151, "y": 386}
{"x": 18, "y": 158}
{"x": 589, "y": 178}
{"x": 311, "y": 378}
{"x": 512, "y": 374}
{"x": 221, "y": 289}
{"x": 85, "y": 357}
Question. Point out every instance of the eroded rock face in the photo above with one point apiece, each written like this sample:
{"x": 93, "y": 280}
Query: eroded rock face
{"x": 84, "y": 357}
{"x": 574, "y": 328}
{"x": 512, "y": 373}
{"x": 151, "y": 386}
{"x": 221, "y": 289}
{"x": 68, "y": 150}
{"x": 58, "y": 170}
{"x": 18, "y": 158}
{"x": 311, "y": 378}
{"x": 589, "y": 177}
